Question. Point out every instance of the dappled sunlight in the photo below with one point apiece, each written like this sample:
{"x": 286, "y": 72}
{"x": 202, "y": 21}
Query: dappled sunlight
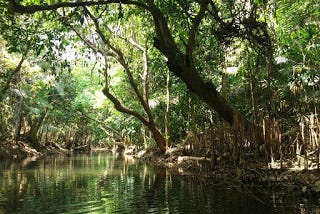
{"x": 186, "y": 96}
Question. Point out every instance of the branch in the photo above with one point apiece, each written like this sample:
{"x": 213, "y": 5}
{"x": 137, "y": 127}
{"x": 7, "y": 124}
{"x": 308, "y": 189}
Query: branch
{"x": 135, "y": 88}
{"x": 164, "y": 41}
{"x": 215, "y": 14}
{"x": 117, "y": 104}
{"x": 9, "y": 80}
{"x": 17, "y": 7}
{"x": 106, "y": 92}
{"x": 135, "y": 44}
{"x": 145, "y": 67}
{"x": 86, "y": 41}
{"x": 121, "y": 60}
{"x": 195, "y": 25}
{"x": 100, "y": 33}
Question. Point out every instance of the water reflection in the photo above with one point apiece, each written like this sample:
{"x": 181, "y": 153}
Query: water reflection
{"x": 106, "y": 183}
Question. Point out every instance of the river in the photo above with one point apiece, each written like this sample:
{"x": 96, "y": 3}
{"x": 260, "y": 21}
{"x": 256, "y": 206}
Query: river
{"x": 103, "y": 182}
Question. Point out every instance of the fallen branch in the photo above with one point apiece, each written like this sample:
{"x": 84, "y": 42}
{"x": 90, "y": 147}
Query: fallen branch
{"x": 184, "y": 158}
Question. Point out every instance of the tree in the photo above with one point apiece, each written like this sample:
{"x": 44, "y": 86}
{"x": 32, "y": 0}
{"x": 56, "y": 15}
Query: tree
{"x": 113, "y": 52}
{"x": 298, "y": 57}
{"x": 179, "y": 45}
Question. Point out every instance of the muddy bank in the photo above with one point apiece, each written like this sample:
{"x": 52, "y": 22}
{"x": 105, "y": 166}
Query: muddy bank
{"x": 17, "y": 150}
{"x": 294, "y": 180}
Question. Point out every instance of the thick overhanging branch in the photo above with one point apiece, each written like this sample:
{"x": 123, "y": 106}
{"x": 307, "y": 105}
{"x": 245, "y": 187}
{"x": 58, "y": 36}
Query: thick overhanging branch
{"x": 117, "y": 104}
{"x": 164, "y": 40}
{"x": 18, "y": 8}
{"x": 189, "y": 74}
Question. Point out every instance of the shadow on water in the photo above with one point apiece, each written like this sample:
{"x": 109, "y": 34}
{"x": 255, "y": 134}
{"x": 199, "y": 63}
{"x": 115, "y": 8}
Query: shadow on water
{"x": 107, "y": 183}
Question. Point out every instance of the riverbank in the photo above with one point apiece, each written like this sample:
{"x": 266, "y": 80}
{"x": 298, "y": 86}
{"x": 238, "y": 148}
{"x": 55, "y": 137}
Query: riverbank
{"x": 17, "y": 150}
{"x": 303, "y": 183}
{"x": 294, "y": 180}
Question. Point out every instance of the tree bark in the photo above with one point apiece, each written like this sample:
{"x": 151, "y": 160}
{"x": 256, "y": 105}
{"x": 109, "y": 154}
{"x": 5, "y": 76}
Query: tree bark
{"x": 158, "y": 137}
{"x": 181, "y": 66}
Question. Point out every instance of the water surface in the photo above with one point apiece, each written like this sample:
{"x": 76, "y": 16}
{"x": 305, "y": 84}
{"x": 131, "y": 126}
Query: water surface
{"x": 109, "y": 183}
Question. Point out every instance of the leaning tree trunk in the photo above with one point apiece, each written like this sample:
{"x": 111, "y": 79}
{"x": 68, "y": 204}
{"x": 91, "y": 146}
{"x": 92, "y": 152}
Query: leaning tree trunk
{"x": 182, "y": 66}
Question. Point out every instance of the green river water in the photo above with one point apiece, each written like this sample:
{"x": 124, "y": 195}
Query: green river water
{"x": 109, "y": 183}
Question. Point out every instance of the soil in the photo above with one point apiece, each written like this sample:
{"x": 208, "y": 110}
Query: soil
{"x": 298, "y": 181}
{"x": 19, "y": 150}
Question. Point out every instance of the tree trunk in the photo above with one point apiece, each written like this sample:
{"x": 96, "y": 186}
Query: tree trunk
{"x": 253, "y": 96}
{"x": 167, "y": 113}
{"x": 32, "y": 135}
{"x": 158, "y": 137}
{"x": 6, "y": 87}
{"x": 18, "y": 119}
{"x": 193, "y": 117}
{"x": 181, "y": 65}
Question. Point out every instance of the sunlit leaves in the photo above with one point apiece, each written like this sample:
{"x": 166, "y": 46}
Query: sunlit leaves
{"x": 232, "y": 34}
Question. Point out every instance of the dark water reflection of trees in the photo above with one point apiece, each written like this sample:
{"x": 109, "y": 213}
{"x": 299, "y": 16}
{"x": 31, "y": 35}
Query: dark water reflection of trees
{"x": 106, "y": 183}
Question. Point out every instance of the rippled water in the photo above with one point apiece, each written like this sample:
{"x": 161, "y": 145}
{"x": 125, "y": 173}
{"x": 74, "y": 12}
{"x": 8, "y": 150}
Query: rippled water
{"x": 107, "y": 183}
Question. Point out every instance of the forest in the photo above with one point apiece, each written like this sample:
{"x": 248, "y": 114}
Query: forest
{"x": 223, "y": 93}
{"x": 235, "y": 82}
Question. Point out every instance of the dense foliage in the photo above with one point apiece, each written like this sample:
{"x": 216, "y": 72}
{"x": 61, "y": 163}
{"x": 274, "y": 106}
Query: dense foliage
{"x": 261, "y": 56}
